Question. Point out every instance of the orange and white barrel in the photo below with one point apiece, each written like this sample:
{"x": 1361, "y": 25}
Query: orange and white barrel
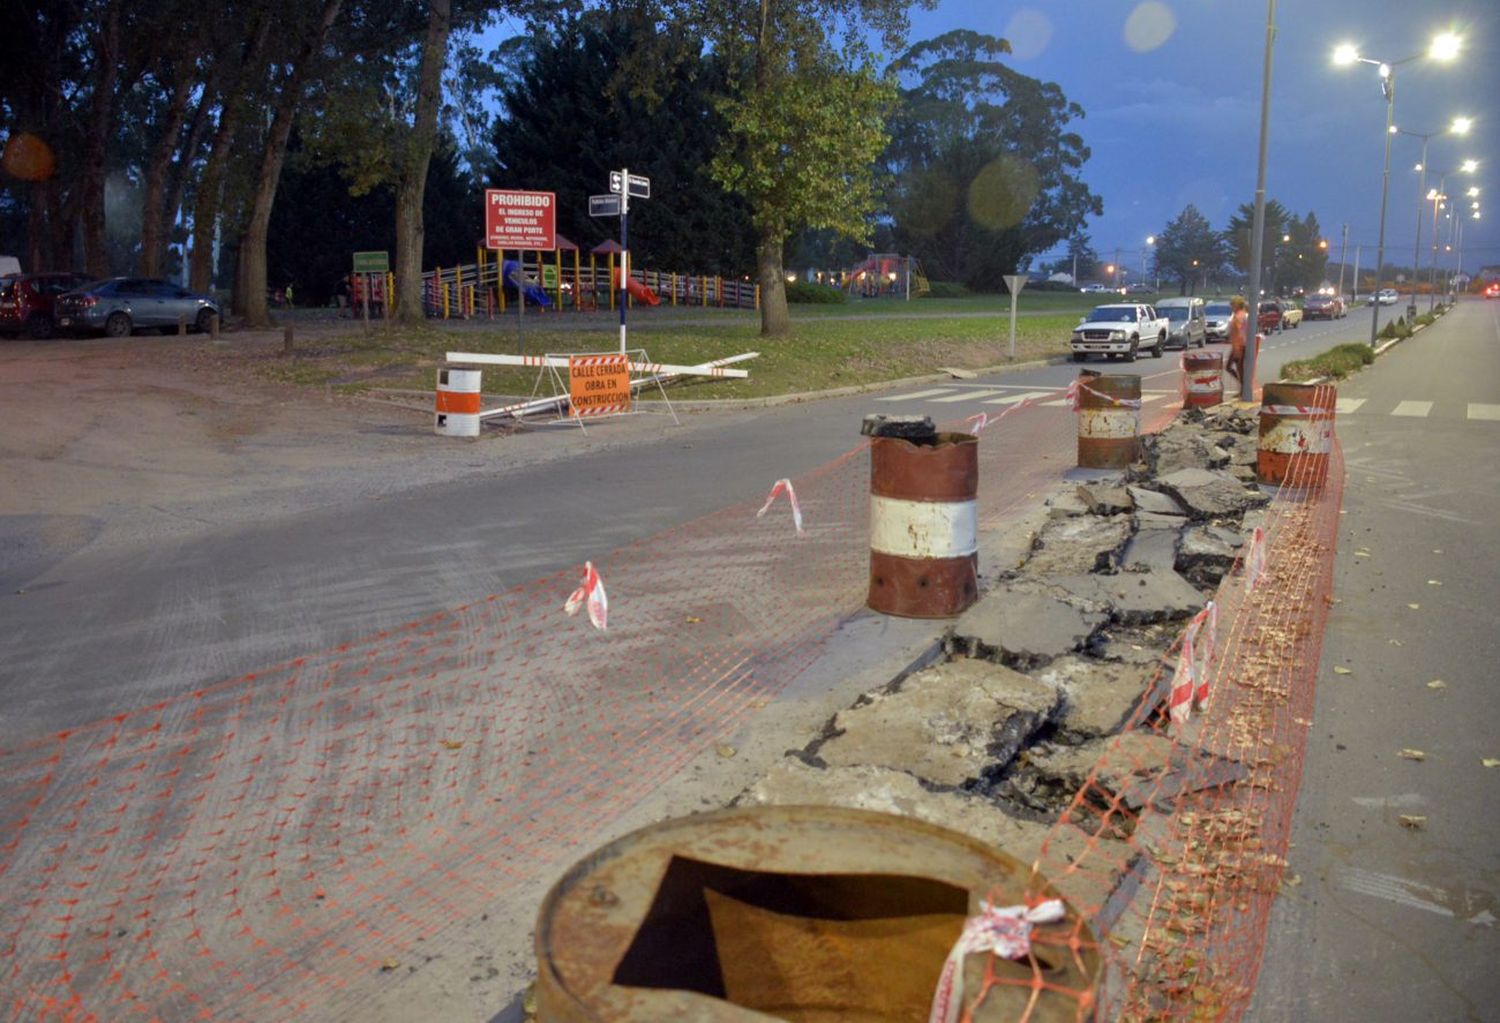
{"x": 1109, "y": 421}
{"x": 1203, "y": 379}
{"x": 457, "y": 410}
{"x": 924, "y": 525}
{"x": 1296, "y": 434}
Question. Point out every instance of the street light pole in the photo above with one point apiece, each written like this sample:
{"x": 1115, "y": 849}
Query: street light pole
{"x": 1258, "y": 221}
{"x": 1388, "y": 86}
{"x": 1343, "y": 256}
{"x": 1416, "y": 259}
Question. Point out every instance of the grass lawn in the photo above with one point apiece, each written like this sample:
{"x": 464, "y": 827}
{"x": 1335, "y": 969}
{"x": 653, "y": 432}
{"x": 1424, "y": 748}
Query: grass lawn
{"x": 830, "y": 346}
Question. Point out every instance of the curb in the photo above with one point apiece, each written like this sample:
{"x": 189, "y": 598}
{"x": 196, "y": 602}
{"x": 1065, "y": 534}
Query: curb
{"x": 770, "y": 401}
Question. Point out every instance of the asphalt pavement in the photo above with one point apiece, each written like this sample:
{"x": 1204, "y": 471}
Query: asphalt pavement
{"x": 1391, "y": 906}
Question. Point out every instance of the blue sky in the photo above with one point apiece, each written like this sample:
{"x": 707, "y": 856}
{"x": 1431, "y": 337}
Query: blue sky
{"x": 1172, "y": 94}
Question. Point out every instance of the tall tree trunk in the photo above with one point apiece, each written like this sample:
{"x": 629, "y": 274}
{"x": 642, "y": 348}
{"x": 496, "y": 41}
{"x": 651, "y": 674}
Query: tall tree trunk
{"x": 411, "y": 185}
{"x": 178, "y": 173}
{"x": 156, "y": 173}
{"x": 253, "y": 246}
{"x": 774, "y": 319}
{"x": 38, "y": 237}
{"x": 96, "y": 141}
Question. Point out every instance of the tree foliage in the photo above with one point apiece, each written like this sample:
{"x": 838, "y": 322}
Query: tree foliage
{"x": 1189, "y": 249}
{"x": 984, "y": 171}
{"x": 1292, "y": 253}
{"x": 567, "y": 120}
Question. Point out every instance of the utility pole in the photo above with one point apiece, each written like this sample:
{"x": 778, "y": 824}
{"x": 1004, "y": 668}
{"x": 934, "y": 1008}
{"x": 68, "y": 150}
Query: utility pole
{"x": 1356, "y": 273}
{"x": 1343, "y": 259}
{"x": 1258, "y": 221}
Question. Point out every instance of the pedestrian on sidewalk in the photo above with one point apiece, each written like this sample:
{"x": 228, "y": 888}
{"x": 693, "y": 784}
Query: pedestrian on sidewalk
{"x": 1239, "y": 330}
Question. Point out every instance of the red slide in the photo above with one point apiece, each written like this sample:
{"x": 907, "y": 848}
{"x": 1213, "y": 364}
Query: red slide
{"x": 638, "y": 291}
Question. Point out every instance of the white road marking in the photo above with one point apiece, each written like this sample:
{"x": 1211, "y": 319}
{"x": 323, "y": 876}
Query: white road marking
{"x": 1151, "y": 397}
{"x": 913, "y": 395}
{"x": 1417, "y": 409}
{"x": 1344, "y": 406}
{"x": 1012, "y": 399}
{"x": 1055, "y": 404}
{"x": 965, "y": 396}
{"x": 1478, "y": 411}
{"x": 1396, "y": 889}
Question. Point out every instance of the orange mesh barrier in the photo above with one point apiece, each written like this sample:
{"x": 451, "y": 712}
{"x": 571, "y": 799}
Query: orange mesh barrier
{"x": 1182, "y": 829}
{"x": 264, "y": 846}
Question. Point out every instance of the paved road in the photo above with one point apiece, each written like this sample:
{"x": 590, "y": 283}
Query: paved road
{"x": 111, "y": 628}
{"x": 1389, "y": 922}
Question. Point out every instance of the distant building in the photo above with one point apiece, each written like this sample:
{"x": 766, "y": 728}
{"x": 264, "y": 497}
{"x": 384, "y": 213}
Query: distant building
{"x": 1488, "y": 274}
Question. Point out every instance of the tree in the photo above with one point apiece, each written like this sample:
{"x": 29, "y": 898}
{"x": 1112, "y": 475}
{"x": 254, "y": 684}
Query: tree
{"x": 984, "y": 171}
{"x": 412, "y": 161}
{"x": 1303, "y": 259}
{"x": 566, "y": 82}
{"x": 1188, "y": 249}
{"x": 1239, "y": 235}
{"x": 803, "y": 115}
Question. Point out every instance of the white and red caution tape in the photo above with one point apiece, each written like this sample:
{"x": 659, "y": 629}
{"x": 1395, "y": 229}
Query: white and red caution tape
{"x": 1195, "y": 661}
{"x": 784, "y": 485}
{"x": 590, "y": 592}
{"x": 1255, "y": 559}
{"x": 1005, "y": 932}
{"x": 984, "y": 419}
{"x": 1076, "y": 388}
{"x": 1296, "y": 410}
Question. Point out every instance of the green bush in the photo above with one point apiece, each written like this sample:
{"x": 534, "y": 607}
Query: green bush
{"x": 1338, "y": 362}
{"x": 815, "y": 294}
{"x": 1396, "y": 328}
{"x": 1427, "y": 319}
{"x": 946, "y": 289}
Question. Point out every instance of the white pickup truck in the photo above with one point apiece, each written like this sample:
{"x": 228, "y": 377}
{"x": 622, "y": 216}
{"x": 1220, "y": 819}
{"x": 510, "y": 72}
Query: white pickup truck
{"x": 1124, "y": 329}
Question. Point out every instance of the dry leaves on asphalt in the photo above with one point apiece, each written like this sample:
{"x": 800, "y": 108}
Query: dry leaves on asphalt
{"x": 1413, "y": 821}
{"x": 1341, "y": 670}
{"x": 1437, "y": 683}
{"x": 1491, "y": 762}
{"x": 1412, "y": 754}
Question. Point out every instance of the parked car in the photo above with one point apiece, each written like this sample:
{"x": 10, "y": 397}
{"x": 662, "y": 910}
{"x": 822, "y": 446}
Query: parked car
{"x": 1278, "y": 316}
{"x": 1122, "y": 329}
{"x": 1139, "y": 288}
{"x": 26, "y": 301}
{"x": 1320, "y": 307}
{"x": 1387, "y": 296}
{"x": 119, "y": 306}
{"x": 1094, "y": 289}
{"x": 1187, "y": 324}
{"x": 1216, "y": 320}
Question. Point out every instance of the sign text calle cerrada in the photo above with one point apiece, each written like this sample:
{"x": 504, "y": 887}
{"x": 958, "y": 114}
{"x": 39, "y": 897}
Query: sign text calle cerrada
{"x": 520, "y": 220}
{"x": 598, "y": 385}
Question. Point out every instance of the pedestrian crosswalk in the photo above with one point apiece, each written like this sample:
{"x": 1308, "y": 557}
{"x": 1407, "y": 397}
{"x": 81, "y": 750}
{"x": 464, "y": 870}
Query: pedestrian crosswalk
{"x": 1015, "y": 394}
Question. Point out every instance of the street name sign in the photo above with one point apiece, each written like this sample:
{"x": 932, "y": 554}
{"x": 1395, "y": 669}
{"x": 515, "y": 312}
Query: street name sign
{"x": 604, "y": 205}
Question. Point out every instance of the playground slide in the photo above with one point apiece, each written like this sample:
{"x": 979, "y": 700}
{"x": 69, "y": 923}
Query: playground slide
{"x": 638, "y": 291}
{"x": 513, "y": 276}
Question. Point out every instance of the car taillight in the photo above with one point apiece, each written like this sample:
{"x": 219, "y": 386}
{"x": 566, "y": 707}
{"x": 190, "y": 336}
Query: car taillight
{"x": 86, "y": 300}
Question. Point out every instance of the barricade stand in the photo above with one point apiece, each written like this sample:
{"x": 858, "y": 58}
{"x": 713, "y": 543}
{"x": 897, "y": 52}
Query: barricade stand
{"x": 1109, "y": 420}
{"x": 456, "y": 412}
{"x": 924, "y": 527}
{"x": 1296, "y": 434}
{"x": 602, "y": 384}
{"x": 1203, "y": 379}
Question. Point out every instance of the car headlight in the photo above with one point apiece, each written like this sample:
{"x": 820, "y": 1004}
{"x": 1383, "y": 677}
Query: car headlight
{"x": 1117, "y": 335}
{"x": 1077, "y": 336}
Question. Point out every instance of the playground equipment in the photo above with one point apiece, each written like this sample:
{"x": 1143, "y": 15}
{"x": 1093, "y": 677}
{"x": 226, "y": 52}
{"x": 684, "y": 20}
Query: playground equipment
{"x": 516, "y": 278}
{"x": 636, "y": 290}
{"x": 887, "y": 274}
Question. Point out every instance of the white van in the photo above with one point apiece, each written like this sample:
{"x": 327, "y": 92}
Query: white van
{"x": 1189, "y": 325}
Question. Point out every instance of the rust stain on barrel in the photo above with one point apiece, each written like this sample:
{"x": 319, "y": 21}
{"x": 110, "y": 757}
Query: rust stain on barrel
{"x": 1292, "y": 446}
{"x": 1104, "y": 443}
{"x": 926, "y": 577}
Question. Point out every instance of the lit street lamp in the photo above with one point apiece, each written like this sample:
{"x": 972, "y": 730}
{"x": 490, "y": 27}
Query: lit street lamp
{"x": 1459, "y": 126}
{"x": 1150, "y": 241}
{"x": 1439, "y": 199}
{"x": 1444, "y": 47}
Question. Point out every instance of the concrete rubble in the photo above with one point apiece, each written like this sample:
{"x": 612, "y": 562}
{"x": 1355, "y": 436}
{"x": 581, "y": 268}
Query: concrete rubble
{"x": 1056, "y": 678}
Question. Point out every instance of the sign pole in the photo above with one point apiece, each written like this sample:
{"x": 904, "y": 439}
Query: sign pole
{"x": 365, "y": 303}
{"x": 624, "y": 253}
{"x": 1014, "y": 283}
{"x": 520, "y": 301}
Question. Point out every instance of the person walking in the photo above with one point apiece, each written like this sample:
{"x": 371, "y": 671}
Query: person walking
{"x": 1239, "y": 332}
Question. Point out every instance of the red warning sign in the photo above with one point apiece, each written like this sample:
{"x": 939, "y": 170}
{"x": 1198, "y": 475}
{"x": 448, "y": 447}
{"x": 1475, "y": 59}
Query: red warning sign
{"x": 520, "y": 220}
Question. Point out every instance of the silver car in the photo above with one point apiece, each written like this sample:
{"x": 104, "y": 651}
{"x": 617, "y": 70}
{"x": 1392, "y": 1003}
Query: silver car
{"x": 1216, "y": 320}
{"x": 119, "y": 306}
{"x": 1189, "y": 326}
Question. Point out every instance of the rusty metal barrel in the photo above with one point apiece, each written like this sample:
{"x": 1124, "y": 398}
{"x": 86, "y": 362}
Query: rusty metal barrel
{"x": 924, "y": 525}
{"x": 806, "y": 914}
{"x": 1203, "y": 379}
{"x": 1109, "y": 420}
{"x": 456, "y": 409}
{"x": 1296, "y": 434}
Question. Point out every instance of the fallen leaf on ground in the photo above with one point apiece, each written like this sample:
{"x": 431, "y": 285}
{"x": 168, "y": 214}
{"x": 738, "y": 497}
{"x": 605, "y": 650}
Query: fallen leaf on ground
{"x": 693, "y": 619}
{"x": 1490, "y": 762}
{"x": 1341, "y": 670}
{"x": 1361, "y": 553}
{"x": 451, "y": 744}
{"x": 1413, "y": 606}
{"x": 1394, "y": 642}
{"x": 1412, "y": 754}
{"x": 388, "y": 966}
{"x": 725, "y": 751}
{"x": 1413, "y": 821}
{"x": 1434, "y": 582}
{"x": 1437, "y": 550}
{"x": 1437, "y": 683}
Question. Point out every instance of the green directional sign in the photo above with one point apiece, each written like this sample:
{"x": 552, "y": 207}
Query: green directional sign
{"x": 549, "y": 276}
{"x": 372, "y": 262}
